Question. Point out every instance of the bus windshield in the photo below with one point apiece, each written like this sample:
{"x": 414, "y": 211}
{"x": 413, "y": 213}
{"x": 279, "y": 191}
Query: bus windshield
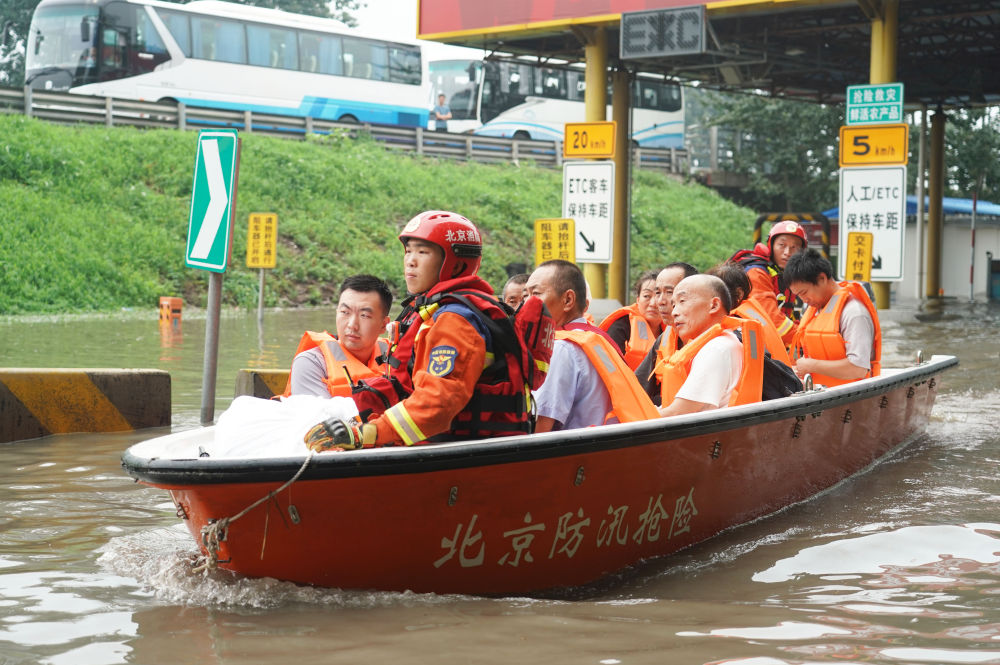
{"x": 61, "y": 45}
{"x": 459, "y": 81}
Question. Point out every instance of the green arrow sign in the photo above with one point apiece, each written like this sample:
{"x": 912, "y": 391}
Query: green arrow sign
{"x": 213, "y": 199}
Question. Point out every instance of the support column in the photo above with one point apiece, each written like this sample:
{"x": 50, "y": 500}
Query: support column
{"x": 935, "y": 218}
{"x": 596, "y": 104}
{"x": 618, "y": 276}
{"x": 882, "y": 69}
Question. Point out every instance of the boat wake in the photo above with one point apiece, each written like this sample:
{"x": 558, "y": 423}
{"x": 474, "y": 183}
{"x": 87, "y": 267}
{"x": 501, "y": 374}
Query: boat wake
{"x": 163, "y": 561}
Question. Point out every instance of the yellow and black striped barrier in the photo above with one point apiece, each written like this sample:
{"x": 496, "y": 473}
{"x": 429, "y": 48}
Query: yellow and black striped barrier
{"x": 264, "y": 383}
{"x": 39, "y": 402}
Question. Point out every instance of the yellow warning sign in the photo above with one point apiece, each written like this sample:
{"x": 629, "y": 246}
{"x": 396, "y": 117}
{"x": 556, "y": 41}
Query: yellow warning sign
{"x": 262, "y": 240}
{"x": 594, "y": 140}
{"x": 859, "y": 256}
{"x": 554, "y": 240}
{"x": 865, "y": 145}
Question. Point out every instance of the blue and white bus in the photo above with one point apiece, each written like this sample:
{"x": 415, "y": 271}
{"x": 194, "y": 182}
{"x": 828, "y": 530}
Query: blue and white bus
{"x": 228, "y": 56}
{"x": 515, "y": 99}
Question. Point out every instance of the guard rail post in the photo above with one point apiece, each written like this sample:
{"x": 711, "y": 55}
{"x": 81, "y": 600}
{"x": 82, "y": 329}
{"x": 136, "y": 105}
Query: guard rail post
{"x": 468, "y": 148}
{"x": 674, "y": 167}
{"x": 27, "y": 101}
{"x": 309, "y": 125}
{"x": 108, "y": 112}
{"x": 181, "y": 116}
{"x": 515, "y": 153}
{"x": 248, "y": 122}
{"x": 419, "y": 139}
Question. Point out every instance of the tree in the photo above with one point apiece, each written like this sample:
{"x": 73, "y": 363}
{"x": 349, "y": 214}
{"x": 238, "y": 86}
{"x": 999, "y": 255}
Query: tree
{"x": 972, "y": 137}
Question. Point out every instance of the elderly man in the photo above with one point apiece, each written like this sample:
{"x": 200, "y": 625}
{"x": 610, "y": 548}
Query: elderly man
{"x": 588, "y": 381}
{"x": 325, "y": 365}
{"x": 713, "y": 368}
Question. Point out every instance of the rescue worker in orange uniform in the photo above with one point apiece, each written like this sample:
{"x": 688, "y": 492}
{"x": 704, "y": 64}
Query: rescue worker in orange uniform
{"x": 635, "y": 328}
{"x": 588, "y": 381}
{"x": 764, "y": 266}
{"x": 839, "y": 339}
{"x": 449, "y": 378}
{"x": 713, "y": 368}
{"x": 738, "y": 283}
{"x": 325, "y": 365}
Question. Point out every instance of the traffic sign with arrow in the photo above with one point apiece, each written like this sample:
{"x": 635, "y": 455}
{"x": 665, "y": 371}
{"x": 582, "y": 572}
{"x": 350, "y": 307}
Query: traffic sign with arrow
{"x": 213, "y": 200}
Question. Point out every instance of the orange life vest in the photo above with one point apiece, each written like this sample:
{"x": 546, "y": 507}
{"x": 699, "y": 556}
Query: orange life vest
{"x": 819, "y": 335}
{"x": 641, "y": 334}
{"x": 337, "y": 358}
{"x": 750, "y": 309}
{"x": 629, "y": 402}
{"x": 672, "y": 371}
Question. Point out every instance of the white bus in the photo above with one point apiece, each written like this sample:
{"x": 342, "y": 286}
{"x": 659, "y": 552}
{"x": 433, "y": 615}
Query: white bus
{"x": 526, "y": 100}
{"x": 224, "y": 55}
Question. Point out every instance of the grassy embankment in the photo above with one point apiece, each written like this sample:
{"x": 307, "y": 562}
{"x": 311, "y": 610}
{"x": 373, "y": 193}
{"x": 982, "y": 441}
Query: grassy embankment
{"x": 95, "y": 219}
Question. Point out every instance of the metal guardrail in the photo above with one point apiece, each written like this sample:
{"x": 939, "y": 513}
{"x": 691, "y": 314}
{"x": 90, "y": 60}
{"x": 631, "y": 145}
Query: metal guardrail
{"x": 67, "y": 108}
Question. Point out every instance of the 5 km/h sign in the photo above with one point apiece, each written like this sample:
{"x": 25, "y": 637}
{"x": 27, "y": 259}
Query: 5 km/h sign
{"x": 213, "y": 193}
{"x": 874, "y": 145}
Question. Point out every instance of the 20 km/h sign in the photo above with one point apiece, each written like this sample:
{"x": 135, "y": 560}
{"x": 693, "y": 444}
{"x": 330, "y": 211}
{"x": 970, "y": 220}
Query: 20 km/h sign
{"x": 589, "y": 139}
{"x": 873, "y": 145}
{"x": 213, "y": 194}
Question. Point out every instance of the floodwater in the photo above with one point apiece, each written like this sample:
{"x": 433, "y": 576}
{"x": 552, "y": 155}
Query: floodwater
{"x": 899, "y": 565}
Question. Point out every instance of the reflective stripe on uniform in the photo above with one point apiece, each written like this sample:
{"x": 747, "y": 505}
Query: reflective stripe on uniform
{"x": 785, "y": 326}
{"x": 401, "y": 421}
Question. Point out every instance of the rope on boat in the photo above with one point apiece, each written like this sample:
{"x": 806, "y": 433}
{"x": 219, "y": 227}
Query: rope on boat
{"x": 215, "y": 532}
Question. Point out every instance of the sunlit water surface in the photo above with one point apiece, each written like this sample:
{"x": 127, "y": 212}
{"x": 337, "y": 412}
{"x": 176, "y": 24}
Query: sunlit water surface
{"x": 899, "y": 565}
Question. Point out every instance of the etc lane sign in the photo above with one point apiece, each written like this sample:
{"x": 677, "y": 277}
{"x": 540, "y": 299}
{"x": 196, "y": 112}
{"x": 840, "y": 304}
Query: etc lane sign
{"x": 873, "y": 200}
{"x": 213, "y": 193}
{"x": 589, "y": 200}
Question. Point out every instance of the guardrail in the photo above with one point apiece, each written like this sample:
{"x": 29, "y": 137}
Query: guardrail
{"x": 73, "y": 109}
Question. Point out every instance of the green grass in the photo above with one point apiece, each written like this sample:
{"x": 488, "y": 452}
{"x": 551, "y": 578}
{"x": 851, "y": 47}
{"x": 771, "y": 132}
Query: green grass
{"x": 95, "y": 219}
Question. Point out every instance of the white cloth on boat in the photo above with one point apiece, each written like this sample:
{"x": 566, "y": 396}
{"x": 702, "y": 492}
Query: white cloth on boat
{"x": 253, "y": 427}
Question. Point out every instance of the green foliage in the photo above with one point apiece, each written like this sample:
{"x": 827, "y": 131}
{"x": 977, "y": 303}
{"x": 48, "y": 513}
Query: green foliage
{"x": 973, "y": 139}
{"x": 15, "y": 19}
{"x": 96, "y": 218}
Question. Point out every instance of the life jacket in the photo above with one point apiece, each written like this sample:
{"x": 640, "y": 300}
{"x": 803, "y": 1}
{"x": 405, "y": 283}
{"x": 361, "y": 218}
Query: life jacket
{"x": 590, "y": 327}
{"x": 673, "y": 371}
{"x": 641, "y": 334}
{"x": 760, "y": 257}
{"x": 342, "y": 368}
{"x": 749, "y": 309}
{"x": 501, "y": 400}
{"x": 819, "y": 335}
{"x": 629, "y": 402}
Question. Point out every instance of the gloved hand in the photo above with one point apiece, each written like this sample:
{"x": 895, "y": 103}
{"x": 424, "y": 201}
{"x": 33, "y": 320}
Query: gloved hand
{"x": 337, "y": 434}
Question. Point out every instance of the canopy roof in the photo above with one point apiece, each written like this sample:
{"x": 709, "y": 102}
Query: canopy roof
{"x": 949, "y": 50}
{"x": 951, "y": 207}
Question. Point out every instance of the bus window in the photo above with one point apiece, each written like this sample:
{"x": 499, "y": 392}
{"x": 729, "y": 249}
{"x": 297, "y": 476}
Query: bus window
{"x": 404, "y": 64}
{"x": 322, "y": 54}
{"x": 218, "y": 39}
{"x": 272, "y": 47}
{"x": 130, "y": 44}
{"x": 179, "y": 28}
{"x": 550, "y": 83}
{"x": 365, "y": 59}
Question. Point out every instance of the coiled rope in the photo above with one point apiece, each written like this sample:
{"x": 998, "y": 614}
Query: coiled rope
{"x": 216, "y": 532}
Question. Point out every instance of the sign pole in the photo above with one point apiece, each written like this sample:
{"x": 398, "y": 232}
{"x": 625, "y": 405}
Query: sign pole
{"x": 211, "y": 364}
{"x": 260, "y": 296}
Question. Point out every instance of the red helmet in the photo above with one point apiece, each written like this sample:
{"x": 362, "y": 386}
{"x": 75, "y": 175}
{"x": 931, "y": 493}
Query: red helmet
{"x": 790, "y": 227}
{"x": 455, "y": 235}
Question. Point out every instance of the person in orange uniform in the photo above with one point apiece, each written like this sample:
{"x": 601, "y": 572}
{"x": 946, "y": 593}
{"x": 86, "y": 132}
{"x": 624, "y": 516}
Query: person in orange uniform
{"x": 744, "y": 307}
{"x": 446, "y": 379}
{"x": 635, "y": 328}
{"x": 588, "y": 382}
{"x": 713, "y": 368}
{"x": 839, "y": 339}
{"x": 325, "y": 365}
{"x": 764, "y": 266}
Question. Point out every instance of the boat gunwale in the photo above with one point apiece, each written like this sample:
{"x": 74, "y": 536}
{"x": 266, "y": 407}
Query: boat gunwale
{"x": 172, "y": 473}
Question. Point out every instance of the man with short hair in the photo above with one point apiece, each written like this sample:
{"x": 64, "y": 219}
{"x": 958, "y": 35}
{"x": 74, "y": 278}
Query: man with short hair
{"x": 588, "y": 381}
{"x": 514, "y": 291}
{"x": 666, "y": 280}
{"x": 442, "y": 114}
{"x": 839, "y": 339}
{"x": 325, "y": 365}
{"x": 713, "y": 368}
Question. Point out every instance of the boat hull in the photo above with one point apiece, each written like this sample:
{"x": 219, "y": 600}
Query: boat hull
{"x": 533, "y": 513}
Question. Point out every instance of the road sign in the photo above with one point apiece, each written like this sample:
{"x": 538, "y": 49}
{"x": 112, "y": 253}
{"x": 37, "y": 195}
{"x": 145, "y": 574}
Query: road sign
{"x": 873, "y": 200}
{"x": 588, "y": 199}
{"x": 213, "y": 198}
{"x": 662, "y": 32}
{"x": 874, "y": 144}
{"x": 874, "y": 104}
{"x": 595, "y": 140}
{"x": 554, "y": 240}
{"x": 262, "y": 240}
{"x": 858, "y": 263}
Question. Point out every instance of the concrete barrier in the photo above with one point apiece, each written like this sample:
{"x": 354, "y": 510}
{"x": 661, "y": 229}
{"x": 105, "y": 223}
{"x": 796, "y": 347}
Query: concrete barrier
{"x": 39, "y": 402}
{"x": 261, "y": 382}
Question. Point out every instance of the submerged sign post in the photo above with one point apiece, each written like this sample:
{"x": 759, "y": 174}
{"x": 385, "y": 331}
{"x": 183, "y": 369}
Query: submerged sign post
{"x": 213, "y": 200}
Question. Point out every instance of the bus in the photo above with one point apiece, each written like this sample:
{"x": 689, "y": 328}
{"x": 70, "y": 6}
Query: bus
{"x": 223, "y": 55}
{"x": 522, "y": 100}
